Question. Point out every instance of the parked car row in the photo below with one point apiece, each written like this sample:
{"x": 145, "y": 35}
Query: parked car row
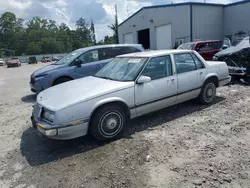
{"x": 44, "y": 59}
{"x": 114, "y": 88}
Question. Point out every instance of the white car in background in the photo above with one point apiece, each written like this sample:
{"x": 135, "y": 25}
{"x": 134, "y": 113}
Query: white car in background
{"x": 2, "y": 62}
{"x": 127, "y": 87}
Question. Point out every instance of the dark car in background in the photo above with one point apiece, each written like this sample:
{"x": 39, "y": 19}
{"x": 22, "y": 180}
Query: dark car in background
{"x": 78, "y": 64}
{"x": 206, "y": 49}
{"x": 32, "y": 60}
{"x": 13, "y": 62}
{"x": 237, "y": 57}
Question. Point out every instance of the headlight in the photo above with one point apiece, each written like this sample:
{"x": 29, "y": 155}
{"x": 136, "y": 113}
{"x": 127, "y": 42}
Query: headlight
{"x": 215, "y": 58}
{"x": 48, "y": 115}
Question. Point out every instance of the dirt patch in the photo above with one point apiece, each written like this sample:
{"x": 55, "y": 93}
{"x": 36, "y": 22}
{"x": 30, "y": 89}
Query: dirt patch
{"x": 187, "y": 145}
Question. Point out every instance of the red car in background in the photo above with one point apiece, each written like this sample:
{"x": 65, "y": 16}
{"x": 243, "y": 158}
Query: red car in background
{"x": 13, "y": 62}
{"x": 206, "y": 49}
{"x": 46, "y": 59}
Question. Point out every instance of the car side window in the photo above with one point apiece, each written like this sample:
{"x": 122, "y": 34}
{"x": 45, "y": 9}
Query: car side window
{"x": 108, "y": 53}
{"x": 90, "y": 56}
{"x": 129, "y": 49}
{"x": 184, "y": 63}
{"x": 217, "y": 45}
{"x": 158, "y": 67}
{"x": 207, "y": 46}
{"x": 198, "y": 62}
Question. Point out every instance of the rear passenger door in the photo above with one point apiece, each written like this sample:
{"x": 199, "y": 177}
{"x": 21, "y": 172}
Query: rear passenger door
{"x": 188, "y": 78}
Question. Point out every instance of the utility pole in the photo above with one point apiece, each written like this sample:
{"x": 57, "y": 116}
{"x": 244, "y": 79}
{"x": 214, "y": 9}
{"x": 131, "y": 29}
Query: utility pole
{"x": 116, "y": 25}
{"x": 127, "y": 9}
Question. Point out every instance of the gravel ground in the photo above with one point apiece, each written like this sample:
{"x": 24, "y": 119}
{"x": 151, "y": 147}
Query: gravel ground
{"x": 187, "y": 145}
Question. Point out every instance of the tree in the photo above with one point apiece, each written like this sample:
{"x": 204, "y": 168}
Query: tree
{"x": 114, "y": 27}
{"x": 92, "y": 31}
{"x": 42, "y": 36}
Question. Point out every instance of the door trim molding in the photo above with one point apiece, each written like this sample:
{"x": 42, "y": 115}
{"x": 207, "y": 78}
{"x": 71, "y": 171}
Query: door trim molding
{"x": 163, "y": 98}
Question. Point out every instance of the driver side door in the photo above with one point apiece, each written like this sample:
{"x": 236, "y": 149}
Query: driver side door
{"x": 90, "y": 64}
{"x": 161, "y": 91}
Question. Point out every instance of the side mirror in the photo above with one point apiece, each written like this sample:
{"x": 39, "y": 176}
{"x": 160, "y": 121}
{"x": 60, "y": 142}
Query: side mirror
{"x": 224, "y": 47}
{"x": 143, "y": 80}
{"x": 78, "y": 62}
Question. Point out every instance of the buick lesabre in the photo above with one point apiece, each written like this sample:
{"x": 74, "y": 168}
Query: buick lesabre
{"x": 128, "y": 86}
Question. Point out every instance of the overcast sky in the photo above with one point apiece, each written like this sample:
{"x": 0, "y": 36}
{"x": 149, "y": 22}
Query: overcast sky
{"x": 68, "y": 11}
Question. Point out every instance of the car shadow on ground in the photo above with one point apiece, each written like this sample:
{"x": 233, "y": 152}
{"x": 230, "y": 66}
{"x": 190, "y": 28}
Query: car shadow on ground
{"x": 38, "y": 149}
{"x": 29, "y": 98}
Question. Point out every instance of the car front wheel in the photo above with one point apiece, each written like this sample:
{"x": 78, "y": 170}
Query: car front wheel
{"x": 208, "y": 93}
{"x": 108, "y": 122}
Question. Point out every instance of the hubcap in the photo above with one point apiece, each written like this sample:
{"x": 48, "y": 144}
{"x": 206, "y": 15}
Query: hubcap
{"x": 111, "y": 123}
{"x": 209, "y": 92}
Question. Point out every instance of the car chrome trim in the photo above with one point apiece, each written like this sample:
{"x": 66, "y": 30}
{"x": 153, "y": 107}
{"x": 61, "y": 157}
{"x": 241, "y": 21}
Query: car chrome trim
{"x": 157, "y": 100}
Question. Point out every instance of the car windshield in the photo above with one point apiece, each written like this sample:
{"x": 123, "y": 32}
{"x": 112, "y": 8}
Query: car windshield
{"x": 122, "y": 68}
{"x": 241, "y": 43}
{"x": 69, "y": 57}
{"x": 187, "y": 46}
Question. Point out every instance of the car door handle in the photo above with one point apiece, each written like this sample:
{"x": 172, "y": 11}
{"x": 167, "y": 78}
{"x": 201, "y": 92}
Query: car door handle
{"x": 201, "y": 72}
{"x": 172, "y": 79}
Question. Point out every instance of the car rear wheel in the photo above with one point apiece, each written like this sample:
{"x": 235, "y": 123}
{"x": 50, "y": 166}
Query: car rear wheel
{"x": 61, "y": 80}
{"x": 108, "y": 122}
{"x": 208, "y": 93}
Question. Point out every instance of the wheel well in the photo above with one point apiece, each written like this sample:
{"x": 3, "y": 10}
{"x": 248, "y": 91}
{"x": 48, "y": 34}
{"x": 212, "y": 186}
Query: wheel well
{"x": 214, "y": 79}
{"x": 119, "y": 103}
{"x": 61, "y": 78}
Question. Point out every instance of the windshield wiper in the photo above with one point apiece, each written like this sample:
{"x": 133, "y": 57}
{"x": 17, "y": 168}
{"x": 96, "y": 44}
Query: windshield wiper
{"x": 105, "y": 77}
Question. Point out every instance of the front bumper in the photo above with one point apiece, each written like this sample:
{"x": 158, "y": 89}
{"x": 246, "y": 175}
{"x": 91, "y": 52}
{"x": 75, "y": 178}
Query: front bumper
{"x": 60, "y": 132}
{"x": 12, "y": 65}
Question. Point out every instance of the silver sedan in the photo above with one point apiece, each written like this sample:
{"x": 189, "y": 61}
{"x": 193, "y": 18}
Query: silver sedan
{"x": 127, "y": 87}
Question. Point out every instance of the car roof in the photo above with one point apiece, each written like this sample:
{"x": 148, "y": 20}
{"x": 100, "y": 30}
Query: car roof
{"x": 154, "y": 53}
{"x": 202, "y": 41}
{"x": 109, "y": 45}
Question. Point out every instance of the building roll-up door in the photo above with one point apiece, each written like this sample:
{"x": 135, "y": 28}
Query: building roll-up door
{"x": 163, "y": 37}
{"x": 128, "y": 38}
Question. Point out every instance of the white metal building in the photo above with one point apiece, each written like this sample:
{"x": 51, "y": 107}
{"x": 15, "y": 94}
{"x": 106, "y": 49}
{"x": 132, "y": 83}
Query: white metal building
{"x": 164, "y": 26}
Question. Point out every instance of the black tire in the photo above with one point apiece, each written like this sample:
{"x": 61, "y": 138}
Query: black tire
{"x": 208, "y": 92}
{"x": 108, "y": 122}
{"x": 61, "y": 80}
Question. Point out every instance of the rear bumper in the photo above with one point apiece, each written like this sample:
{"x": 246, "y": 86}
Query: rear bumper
{"x": 60, "y": 132}
{"x": 225, "y": 81}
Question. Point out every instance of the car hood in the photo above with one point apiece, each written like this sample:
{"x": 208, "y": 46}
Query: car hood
{"x": 79, "y": 90}
{"x": 47, "y": 69}
{"x": 228, "y": 51}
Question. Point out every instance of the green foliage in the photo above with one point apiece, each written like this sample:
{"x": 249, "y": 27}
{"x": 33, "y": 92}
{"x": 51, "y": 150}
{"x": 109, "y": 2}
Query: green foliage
{"x": 114, "y": 28}
{"x": 42, "y": 36}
